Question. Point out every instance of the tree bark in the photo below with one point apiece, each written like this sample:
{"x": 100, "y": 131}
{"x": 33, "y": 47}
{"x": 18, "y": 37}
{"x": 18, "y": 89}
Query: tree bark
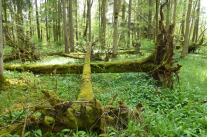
{"x": 89, "y": 19}
{"x": 174, "y": 14}
{"x": 76, "y": 20}
{"x": 185, "y": 46}
{"x": 195, "y": 32}
{"x": 129, "y": 22}
{"x": 150, "y": 20}
{"x": 156, "y": 17}
{"x": 46, "y": 21}
{"x": 103, "y": 23}
{"x": 71, "y": 26}
{"x": 183, "y": 21}
{"x": 37, "y": 19}
{"x": 1, "y": 46}
{"x": 168, "y": 14}
{"x": 65, "y": 28}
{"x": 30, "y": 19}
{"x": 123, "y": 22}
{"x": 192, "y": 21}
{"x": 117, "y": 5}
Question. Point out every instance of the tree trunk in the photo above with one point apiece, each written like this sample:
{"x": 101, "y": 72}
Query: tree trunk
{"x": 5, "y": 16}
{"x": 58, "y": 22}
{"x": 103, "y": 23}
{"x": 143, "y": 65}
{"x": 174, "y": 14}
{"x": 30, "y": 19}
{"x": 53, "y": 23}
{"x": 195, "y": 32}
{"x": 192, "y": 21}
{"x": 183, "y": 21}
{"x": 86, "y": 27}
{"x": 89, "y": 19}
{"x": 65, "y": 28}
{"x": 156, "y": 17}
{"x": 150, "y": 20}
{"x": 1, "y": 47}
{"x": 37, "y": 19}
{"x": 46, "y": 22}
{"x": 168, "y": 14}
{"x": 117, "y": 5}
{"x": 71, "y": 26}
{"x": 185, "y": 46}
{"x": 123, "y": 22}
{"x": 76, "y": 20}
{"x": 129, "y": 22}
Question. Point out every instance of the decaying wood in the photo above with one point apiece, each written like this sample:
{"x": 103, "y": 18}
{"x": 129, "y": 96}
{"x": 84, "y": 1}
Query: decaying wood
{"x": 164, "y": 54}
{"x": 86, "y": 114}
{"x": 139, "y": 65}
{"x": 27, "y": 53}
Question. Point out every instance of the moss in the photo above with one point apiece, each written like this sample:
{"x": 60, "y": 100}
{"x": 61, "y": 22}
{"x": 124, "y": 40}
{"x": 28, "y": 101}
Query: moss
{"x": 49, "y": 120}
{"x": 6, "y": 131}
{"x": 110, "y": 121}
{"x": 110, "y": 107}
{"x": 2, "y": 80}
{"x": 50, "y": 94}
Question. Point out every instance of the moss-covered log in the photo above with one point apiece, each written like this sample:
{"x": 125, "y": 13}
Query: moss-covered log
{"x": 140, "y": 65}
{"x": 88, "y": 115}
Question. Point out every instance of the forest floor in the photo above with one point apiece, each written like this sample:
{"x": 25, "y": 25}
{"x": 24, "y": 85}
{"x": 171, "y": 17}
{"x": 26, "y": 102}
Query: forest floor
{"x": 178, "y": 112}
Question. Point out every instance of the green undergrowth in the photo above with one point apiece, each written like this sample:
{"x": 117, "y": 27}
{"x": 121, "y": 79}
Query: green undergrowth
{"x": 178, "y": 112}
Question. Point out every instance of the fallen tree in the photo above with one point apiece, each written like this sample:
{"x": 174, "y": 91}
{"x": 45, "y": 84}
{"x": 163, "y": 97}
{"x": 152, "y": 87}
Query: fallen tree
{"x": 142, "y": 65}
{"x": 87, "y": 113}
{"x": 160, "y": 63}
{"x": 25, "y": 53}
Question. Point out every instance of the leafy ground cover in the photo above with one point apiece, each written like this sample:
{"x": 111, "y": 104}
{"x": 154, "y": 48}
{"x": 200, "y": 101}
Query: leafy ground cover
{"x": 178, "y": 112}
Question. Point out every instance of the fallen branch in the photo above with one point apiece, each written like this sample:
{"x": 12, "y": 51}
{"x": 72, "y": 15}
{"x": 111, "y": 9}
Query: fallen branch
{"x": 25, "y": 123}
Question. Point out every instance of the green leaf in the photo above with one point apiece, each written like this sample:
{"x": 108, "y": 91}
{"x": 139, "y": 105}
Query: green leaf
{"x": 65, "y": 130}
{"x": 39, "y": 132}
{"x": 27, "y": 133}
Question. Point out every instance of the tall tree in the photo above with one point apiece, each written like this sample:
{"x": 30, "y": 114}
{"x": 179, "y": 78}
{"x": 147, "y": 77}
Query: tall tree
{"x": 46, "y": 21}
{"x": 89, "y": 19}
{"x": 156, "y": 16}
{"x": 65, "y": 28}
{"x": 129, "y": 22}
{"x": 1, "y": 47}
{"x": 30, "y": 19}
{"x": 195, "y": 32}
{"x": 183, "y": 20}
{"x": 185, "y": 46}
{"x": 168, "y": 14}
{"x": 174, "y": 14}
{"x": 150, "y": 20}
{"x": 76, "y": 19}
{"x": 71, "y": 26}
{"x": 117, "y": 5}
{"x": 103, "y": 22}
{"x": 122, "y": 36}
{"x": 37, "y": 19}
